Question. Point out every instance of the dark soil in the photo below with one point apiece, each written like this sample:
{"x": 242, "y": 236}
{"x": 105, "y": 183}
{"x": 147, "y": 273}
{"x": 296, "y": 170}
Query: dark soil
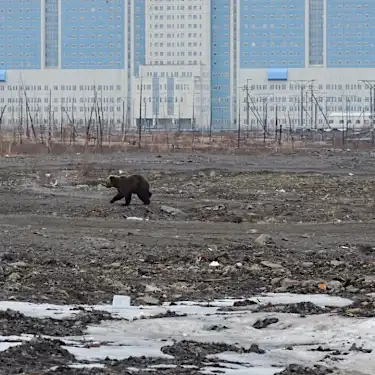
{"x": 36, "y": 355}
{"x": 294, "y": 369}
{"x": 198, "y": 350}
{"x": 16, "y": 323}
{"x": 67, "y": 244}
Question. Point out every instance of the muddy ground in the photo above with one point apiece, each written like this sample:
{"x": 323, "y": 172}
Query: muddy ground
{"x": 218, "y": 226}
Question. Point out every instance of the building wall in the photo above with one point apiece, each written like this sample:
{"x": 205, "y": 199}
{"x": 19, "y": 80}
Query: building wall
{"x": 175, "y": 33}
{"x": 139, "y": 33}
{"x": 221, "y": 63}
{"x": 350, "y": 33}
{"x": 71, "y": 91}
{"x": 316, "y": 32}
{"x": 336, "y": 90}
{"x": 194, "y": 57}
{"x": 272, "y": 33}
{"x": 172, "y": 93}
{"x": 51, "y": 30}
{"x": 20, "y": 34}
{"x": 177, "y": 49}
{"x": 93, "y": 34}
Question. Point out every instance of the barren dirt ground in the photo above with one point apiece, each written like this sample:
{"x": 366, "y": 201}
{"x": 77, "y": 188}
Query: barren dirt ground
{"x": 62, "y": 242}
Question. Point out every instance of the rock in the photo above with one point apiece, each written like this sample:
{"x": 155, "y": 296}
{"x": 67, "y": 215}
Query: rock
{"x": 152, "y": 289}
{"x": 352, "y": 289}
{"x": 115, "y": 265}
{"x": 214, "y": 327}
{"x": 245, "y": 302}
{"x": 263, "y": 239}
{"x": 255, "y": 268}
{"x": 82, "y": 187}
{"x": 14, "y": 277}
{"x": 307, "y": 264}
{"x": 263, "y": 323}
{"x": 310, "y": 283}
{"x": 170, "y": 210}
{"x": 18, "y": 264}
{"x": 296, "y": 369}
{"x": 276, "y": 281}
{"x": 337, "y": 263}
{"x": 229, "y": 270}
{"x": 355, "y": 348}
{"x": 369, "y": 279}
{"x": 254, "y": 348}
{"x": 212, "y": 174}
{"x": 147, "y": 300}
{"x": 334, "y": 284}
{"x": 288, "y": 283}
{"x": 267, "y": 264}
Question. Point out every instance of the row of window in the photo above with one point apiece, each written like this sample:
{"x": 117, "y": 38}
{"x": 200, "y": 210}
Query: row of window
{"x": 173, "y": 35}
{"x": 62, "y": 87}
{"x": 178, "y": 26}
{"x": 175, "y": 62}
{"x": 182, "y": 87}
{"x": 165, "y": 99}
{"x": 369, "y": 63}
{"x": 182, "y": 54}
{"x": 36, "y": 109}
{"x": 178, "y": 17}
{"x": 94, "y": 46}
{"x": 67, "y": 9}
{"x": 172, "y": 7}
{"x": 169, "y": 74}
{"x": 178, "y": 44}
{"x": 272, "y": 63}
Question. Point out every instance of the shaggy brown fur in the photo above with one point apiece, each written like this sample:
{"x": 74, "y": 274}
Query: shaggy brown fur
{"x": 128, "y": 185}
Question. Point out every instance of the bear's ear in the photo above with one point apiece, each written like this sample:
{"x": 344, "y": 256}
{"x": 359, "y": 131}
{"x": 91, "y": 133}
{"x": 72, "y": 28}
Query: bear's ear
{"x": 112, "y": 178}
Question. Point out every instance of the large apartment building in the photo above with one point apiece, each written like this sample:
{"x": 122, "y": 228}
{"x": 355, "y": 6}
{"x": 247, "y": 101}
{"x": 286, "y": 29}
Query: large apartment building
{"x": 186, "y": 63}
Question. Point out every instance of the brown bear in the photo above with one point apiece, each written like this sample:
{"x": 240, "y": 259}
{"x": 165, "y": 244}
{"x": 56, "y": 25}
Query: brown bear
{"x": 128, "y": 185}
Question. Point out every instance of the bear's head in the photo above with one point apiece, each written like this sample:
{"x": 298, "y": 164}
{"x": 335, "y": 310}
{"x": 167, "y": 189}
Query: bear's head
{"x": 110, "y": 181}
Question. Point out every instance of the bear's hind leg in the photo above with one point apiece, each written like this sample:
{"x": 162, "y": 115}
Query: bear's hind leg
{"x": 144, "y": 196}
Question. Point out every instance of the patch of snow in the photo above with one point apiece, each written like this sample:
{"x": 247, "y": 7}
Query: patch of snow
{"x": 146, "y": 337}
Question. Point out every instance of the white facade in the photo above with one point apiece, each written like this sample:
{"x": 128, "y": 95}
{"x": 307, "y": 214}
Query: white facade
{"x": 177, "y": 46}
{"x": 72, "y": 94}
{"x": 191, "y": 96}
{"x": 336, "y": 90}
{"x": 177, "y": 32}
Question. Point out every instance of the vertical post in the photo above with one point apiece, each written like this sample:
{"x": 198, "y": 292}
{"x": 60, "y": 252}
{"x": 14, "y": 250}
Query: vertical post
{"x": 301, "y": 114}
{"x": 264, "y": 120}
{"x": 123, "y": 121}
{"x": 276, "y": 124}
{"x": 239, "y": 126}
{"x": 247, "y": 106}
{"x": 145, "y": 114}
{"x": 312, "y": 106}
{"x": 372, "y": 115}
{"x": 140, "y": 116}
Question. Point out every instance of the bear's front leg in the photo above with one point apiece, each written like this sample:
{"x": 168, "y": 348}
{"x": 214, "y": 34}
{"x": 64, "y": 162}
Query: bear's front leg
{"x": 128, "y": 198}
{"x": 117, "y": 197}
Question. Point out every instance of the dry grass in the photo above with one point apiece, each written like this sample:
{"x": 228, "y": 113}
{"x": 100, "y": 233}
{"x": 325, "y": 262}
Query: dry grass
{"x": 173, "y": 142}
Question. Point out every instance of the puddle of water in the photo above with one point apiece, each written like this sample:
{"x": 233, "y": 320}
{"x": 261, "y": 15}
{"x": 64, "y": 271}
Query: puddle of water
{"x": 146, "y": 337}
